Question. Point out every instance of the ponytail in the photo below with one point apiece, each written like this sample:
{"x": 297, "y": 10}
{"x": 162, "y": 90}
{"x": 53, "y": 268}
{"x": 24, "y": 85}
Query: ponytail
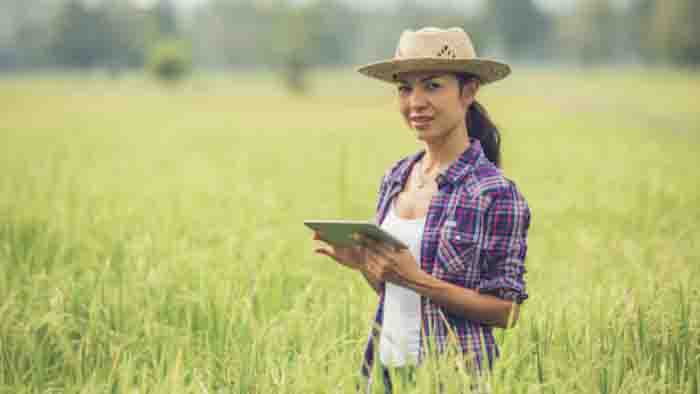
{"x": 481, "y": 127}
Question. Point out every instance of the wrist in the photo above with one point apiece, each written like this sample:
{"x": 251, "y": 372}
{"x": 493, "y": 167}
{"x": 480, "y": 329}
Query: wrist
{"x": 425, "y": 284}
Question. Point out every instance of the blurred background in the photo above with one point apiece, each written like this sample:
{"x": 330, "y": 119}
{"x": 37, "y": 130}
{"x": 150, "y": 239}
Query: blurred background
{"x": 157, "y": 159}
{"x": 292, "y": 36}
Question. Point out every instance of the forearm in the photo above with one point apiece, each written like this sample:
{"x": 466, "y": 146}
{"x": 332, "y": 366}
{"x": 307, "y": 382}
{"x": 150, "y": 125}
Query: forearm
{"x": 468, "y": 303}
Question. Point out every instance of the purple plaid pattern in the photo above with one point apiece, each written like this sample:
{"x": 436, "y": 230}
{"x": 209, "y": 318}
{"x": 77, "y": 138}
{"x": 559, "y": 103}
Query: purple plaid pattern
{"x": 475, "y": 236}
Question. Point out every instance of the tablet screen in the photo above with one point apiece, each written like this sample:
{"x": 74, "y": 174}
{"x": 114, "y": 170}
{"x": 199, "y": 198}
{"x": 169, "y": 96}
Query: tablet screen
{"x": 339, "y": 232}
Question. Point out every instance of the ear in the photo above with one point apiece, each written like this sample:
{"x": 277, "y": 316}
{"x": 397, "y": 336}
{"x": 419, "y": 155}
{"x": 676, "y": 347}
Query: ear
{"x": 471, "y": 87}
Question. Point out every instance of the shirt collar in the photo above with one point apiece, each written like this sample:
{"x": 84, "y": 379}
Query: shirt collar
{"x": 454, "y": 173}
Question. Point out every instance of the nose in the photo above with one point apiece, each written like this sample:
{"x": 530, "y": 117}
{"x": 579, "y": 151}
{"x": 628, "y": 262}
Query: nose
{"x": 417, "y": 99}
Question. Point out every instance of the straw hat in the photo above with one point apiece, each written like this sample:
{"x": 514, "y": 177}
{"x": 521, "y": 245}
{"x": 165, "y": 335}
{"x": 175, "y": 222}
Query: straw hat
{"x": 430, "y": 49}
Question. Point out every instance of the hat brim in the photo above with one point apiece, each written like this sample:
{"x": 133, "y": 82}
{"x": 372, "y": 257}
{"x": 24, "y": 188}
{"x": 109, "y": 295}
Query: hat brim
{"x": 487, "y": 70}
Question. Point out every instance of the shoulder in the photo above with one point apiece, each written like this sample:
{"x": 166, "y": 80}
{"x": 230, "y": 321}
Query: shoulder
{"x": 505, "y": 209}
{"x": 397, "y": 168}
{"x": 489, "y": 182}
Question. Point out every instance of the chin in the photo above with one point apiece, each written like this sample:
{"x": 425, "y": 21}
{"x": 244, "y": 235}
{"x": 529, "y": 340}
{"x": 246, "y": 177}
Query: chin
{"x": 425, "y": 134}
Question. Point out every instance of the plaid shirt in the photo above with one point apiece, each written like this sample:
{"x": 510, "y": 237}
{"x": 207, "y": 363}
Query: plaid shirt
{"x": 475, "y": 236}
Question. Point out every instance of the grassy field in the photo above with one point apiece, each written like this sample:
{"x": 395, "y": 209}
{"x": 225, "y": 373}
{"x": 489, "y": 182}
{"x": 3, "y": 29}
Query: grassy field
{"x": 151, "y": 239}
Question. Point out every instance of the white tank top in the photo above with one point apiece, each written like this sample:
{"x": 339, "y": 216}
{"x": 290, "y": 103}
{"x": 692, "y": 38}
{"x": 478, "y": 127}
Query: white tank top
{"x": 399, "y": 342}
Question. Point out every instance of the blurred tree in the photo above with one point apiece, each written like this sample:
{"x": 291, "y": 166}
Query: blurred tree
{"x": 332, "y": 34}
{"x": 237, "y": 34}
{"x": 675, "y": 31}
{"x": 126, "y": 30}
{"x": 24, "y": 34}
{"x": 522, "y": 28}
{"x": 170, "y": 60}
{"x": 79, "y": 35}
{"x": 109, "y": 34}
{"x": 32, "y": 41}
{"x": 297, "y": 46}
{"x": 590, "y": 33}
{"x": 294, "y": 73}
{"x": 598, "y": 36}
{"x": 635, "y": 34}
{"x": 321, "y": 33}
{"x": 290, "y": 36}
{"x": 166, "y": 18}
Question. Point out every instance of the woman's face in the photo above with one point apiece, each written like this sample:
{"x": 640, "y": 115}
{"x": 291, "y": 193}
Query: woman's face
{"x": 431, "y": 103}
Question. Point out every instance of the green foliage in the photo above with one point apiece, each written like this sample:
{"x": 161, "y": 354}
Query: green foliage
{"x": 109, "y": 34}
{"x": 675, "y": 33}
{"x": 140, "y": 257}
{"x": 80, "y": 37}
{"x": 170, "y": 60}
{"x": 520, "y": 25}
{"x": 320, "y": 33}
{"x": 165, "y": 18}
{"x": 278, "y": 33}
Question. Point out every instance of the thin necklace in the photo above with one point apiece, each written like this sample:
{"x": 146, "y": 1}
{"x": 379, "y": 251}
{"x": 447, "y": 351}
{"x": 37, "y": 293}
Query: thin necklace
{"x": 421, "y": 179}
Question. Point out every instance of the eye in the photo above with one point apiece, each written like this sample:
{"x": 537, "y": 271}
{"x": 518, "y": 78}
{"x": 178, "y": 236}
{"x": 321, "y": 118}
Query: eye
{"x": 404, "y": 89}
{"x": 432, "y": 85}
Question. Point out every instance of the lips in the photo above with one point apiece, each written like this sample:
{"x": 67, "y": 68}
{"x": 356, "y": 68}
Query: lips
{"x": 421, "y": 120}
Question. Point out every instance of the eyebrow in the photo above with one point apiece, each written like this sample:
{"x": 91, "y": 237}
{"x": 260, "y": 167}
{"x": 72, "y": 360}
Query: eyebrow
{"x": 429, "y": 77}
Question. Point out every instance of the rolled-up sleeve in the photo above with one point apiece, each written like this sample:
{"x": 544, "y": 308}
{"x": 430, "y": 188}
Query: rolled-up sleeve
{"x": 504, "y": 247}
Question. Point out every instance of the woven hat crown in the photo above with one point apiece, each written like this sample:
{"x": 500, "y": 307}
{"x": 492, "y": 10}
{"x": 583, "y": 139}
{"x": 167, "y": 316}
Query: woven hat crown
{"x": 432, "y": 42}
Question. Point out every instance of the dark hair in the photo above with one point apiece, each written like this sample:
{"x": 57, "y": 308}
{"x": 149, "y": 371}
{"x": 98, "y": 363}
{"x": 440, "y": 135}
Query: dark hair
{"x": 480, "y": 125}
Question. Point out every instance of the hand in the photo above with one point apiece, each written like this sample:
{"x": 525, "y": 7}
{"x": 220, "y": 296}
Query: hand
{"x": 353, "y": 257}
{"x": 388, "y": 263}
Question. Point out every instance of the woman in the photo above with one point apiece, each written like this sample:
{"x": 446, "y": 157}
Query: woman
{"x": 465, "y": 223}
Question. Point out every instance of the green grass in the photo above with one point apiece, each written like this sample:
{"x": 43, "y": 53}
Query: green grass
{"x": 151, "y": 240}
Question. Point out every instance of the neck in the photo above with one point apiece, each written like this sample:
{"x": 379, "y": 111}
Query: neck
{"x": 439, "y": 153}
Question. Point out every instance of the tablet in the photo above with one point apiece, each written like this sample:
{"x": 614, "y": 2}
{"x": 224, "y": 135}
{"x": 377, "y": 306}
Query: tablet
{"x": 339, "y": 232}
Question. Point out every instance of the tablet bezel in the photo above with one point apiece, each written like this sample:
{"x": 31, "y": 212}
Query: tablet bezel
{"x": 339, "y": 232}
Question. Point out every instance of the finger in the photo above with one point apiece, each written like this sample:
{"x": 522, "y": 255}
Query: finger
{"x": 366, "y": 242}
{"x": 319, "y": 237}
{"x": 373, "y": 252}
{"x": 323, "y": 251}
{"x": 378, "y": 245}
{"x": 385, "y": 247}
{"x": 381, "y": 250}
{"x": 378, "y": 257}
{"x": 326, "y": 252}
{"x": 323, "y": 243}
{"x": 374, "y": 267}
